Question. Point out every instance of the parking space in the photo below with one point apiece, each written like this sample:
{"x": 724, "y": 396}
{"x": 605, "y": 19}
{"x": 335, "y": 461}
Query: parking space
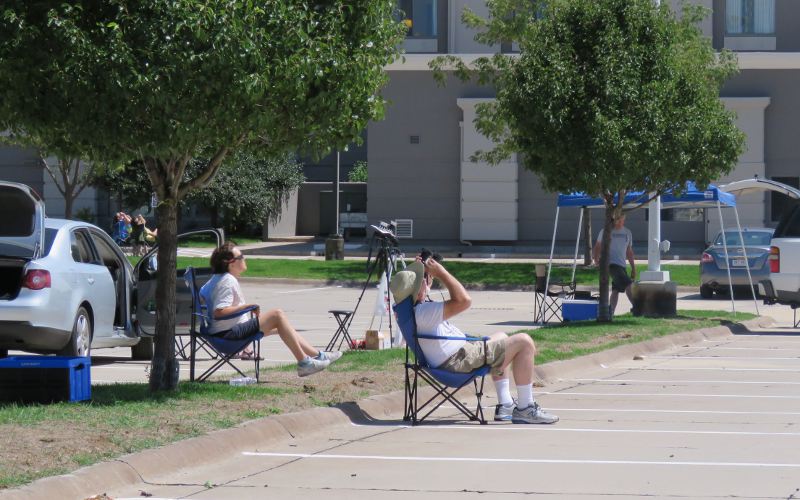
{"x": 707, "y": 420}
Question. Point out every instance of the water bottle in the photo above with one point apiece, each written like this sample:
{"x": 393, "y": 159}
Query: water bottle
{"x": 242, "y": 381}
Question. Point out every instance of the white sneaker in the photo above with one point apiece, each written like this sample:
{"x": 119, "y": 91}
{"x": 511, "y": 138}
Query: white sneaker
{"x": 532, "y": 415}
{"x": 331, "y": 355}
{"x": 310, "y": 366}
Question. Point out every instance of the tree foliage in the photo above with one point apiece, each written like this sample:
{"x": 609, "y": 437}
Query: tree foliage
{"x": 251, "y": 190}
{"x": 358, "y": 172}
{"x": 606, "y": 97}
{"x": 158, "y": 80}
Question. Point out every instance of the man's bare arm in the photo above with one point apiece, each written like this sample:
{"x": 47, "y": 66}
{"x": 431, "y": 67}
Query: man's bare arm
{"x": 459, "y": 300}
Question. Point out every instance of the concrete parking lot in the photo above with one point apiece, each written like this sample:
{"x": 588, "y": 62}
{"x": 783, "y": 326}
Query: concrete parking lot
{"x": 710, "y": 419}
{"x": 707, "y": 420}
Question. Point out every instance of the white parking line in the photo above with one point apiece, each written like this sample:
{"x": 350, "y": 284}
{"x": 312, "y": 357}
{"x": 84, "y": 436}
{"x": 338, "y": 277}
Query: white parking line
{"x": 519, "y": 460}
{"x": 658, "y": 394}
{"x": 634, "y": 381}
{"x": 749, "y": 349}
{"x": 737, "y": 358}
{"x": 307, "y": 290}
{"x": 549, "y": 428}
{"x": 642, "y": 410}
{"x": 716, "y": 369}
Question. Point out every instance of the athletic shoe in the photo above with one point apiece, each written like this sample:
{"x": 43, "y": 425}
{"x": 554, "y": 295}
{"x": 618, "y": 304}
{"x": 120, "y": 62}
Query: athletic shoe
{"x": 502, "y": 413}
{"x": 532, "y": 415}
{"x": 311, "y": 365}
{"x": 331, "y": 355}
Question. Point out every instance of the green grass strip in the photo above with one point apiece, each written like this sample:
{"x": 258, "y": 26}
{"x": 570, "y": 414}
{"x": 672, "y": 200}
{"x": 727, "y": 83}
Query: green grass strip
{"x": 493, "y": 274}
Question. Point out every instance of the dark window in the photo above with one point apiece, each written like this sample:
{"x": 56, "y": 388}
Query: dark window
{"x": 750, "y": 17}
{"x": 751, "y": 238}
{"x": 49, "y": 237}
{"x": 107, "y": 254}
{"x": 420, "y": 16}
{"x": 81, "y": 248}
{"x": 789, "y": 227}
{"x": 19, "y": 212}
{"x": 779, "y": 202}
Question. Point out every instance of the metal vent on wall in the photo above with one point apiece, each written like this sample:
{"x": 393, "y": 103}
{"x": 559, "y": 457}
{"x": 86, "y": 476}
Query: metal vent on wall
{"x": 404, "y": 228}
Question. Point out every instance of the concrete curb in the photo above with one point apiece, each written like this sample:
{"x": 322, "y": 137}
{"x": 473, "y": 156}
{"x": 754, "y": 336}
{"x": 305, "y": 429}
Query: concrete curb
{"x": 151, "y": 464}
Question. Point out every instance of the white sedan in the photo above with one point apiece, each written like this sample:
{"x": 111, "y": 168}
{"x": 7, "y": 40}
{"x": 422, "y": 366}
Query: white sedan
{"x": 65, "y": 286}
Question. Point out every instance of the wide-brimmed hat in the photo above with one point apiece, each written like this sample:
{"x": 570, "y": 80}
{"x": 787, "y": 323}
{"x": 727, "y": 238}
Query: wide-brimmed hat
{"x": 408, "y": 282}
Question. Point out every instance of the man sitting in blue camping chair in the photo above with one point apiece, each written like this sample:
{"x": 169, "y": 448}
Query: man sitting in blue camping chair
{"x": 447, "y": 348}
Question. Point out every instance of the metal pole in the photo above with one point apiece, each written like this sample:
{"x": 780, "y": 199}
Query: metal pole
{"x": 577, "y": 244}
{"x": 746, "y": 259}
{"x": 549, "y": 265}
{"x": 727, "y": 257}
{"x": 336, "y": 196}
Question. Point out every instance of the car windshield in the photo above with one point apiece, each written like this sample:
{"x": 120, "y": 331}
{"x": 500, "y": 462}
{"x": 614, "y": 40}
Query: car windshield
{"x": 751, "y": 238}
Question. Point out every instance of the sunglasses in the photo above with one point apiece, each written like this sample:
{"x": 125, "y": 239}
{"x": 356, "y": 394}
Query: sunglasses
{"x": 240, "y": 257}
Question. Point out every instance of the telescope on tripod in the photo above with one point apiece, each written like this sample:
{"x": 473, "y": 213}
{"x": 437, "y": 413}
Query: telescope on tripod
{"x": 387, "y": 254}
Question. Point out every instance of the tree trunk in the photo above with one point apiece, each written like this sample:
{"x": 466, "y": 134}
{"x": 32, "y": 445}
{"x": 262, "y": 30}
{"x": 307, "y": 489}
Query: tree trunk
{"x": 604, "y": 315}
{"x": 265, "y": 228}
{"x": 164, "y": 368}
{"x": 587, "y": 236}
{"x": 68, "y": 202}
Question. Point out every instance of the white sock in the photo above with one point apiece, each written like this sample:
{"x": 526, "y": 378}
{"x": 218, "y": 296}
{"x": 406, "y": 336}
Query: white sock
{"x": 524, "y": 396}
{"x": 503, "y": 391}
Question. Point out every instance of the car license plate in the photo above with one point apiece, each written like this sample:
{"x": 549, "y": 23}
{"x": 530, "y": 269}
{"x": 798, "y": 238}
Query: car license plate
{"x": 738, "y": 262}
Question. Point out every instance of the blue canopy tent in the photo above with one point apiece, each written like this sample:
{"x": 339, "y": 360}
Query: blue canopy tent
{"x": 691, "y": 197}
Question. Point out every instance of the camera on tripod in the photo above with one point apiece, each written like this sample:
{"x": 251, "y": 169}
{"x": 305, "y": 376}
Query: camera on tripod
{"x": 386, "y": 231}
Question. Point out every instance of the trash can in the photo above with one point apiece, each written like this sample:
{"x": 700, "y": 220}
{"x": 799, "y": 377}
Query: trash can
{"x": 334, "y": 248}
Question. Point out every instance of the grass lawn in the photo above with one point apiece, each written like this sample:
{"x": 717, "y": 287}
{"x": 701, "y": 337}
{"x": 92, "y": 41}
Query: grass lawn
{"x": 493, "y": 274}
{"x": 46, "y": 440}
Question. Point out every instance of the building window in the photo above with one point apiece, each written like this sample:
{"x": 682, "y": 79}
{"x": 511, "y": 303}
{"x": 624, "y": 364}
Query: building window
{"x": 678, "y": 215}
{"x": 780, "y": 203}
{"x": 421, "y": 17}
{"x": 750, "y": 17}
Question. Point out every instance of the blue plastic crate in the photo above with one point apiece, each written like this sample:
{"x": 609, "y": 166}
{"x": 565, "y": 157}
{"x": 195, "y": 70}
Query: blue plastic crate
{"x": 45, "y": 379}
{"x": 579, "y": 310}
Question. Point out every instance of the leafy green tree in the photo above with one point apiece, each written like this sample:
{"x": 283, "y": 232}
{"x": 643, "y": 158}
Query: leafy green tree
{"x": 250, "y": 190}
{"x": 158, "y": 80}
{"x": 606, "y": 97}
{"x": 128, "y": 183}
{"x": 358, "y": 172}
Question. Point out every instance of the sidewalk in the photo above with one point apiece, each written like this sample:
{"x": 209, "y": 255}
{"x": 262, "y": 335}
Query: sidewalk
{"x": 525, "y": 251}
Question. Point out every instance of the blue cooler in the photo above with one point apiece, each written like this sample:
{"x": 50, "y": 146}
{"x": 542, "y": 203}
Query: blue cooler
{"x": 579, "y": 310}
{"x": 45, "y": 379}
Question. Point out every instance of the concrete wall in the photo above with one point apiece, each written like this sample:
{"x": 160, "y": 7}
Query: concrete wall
{"x": 22, "y": 165}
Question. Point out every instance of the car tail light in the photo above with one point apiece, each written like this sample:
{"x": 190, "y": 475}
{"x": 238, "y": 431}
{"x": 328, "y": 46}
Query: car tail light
{"x": 706, "y": 258}
{"x": 36, "y": 279}
{"x": 774, "y": 259}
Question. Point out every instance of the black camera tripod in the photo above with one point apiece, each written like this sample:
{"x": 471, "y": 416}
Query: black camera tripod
{"x": 387, "y": 253}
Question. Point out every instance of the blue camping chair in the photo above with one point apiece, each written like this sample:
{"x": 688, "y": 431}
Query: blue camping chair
{"x": 445, "y": 383}
{"x": 200, "y": 338}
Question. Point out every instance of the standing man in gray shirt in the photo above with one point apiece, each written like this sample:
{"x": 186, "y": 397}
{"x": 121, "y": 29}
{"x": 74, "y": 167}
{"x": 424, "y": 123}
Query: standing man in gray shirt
{"x": 621, "y": 249}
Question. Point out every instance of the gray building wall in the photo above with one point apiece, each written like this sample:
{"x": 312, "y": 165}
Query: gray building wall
{"x": 21, "y": 165}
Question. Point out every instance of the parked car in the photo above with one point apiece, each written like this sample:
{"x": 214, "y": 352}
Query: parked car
{"x": 714, "y": 264}
{"x": 782, "y": 284}
{"x": 66, "y": 287}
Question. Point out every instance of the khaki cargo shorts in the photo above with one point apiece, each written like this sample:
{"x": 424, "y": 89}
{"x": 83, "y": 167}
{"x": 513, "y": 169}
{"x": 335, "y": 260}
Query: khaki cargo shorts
{"x": 470, "y": 357}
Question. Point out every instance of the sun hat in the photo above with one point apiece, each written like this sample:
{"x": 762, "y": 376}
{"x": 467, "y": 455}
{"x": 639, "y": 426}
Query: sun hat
{"x": 408, "y": 282}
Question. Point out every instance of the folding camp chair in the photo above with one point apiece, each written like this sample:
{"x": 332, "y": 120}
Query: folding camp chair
{"x": 548, "y": 296}
{"x": 445, "y": 383}
{"x": 200, "y": 338}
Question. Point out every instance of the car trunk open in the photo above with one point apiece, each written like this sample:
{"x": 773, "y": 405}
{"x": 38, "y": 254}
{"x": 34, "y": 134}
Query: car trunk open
{"x": 11, "y": 277}
{"x": 22, "y": 223}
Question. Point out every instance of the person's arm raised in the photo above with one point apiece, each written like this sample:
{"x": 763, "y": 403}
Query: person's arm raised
{"x": 459, "y": 300}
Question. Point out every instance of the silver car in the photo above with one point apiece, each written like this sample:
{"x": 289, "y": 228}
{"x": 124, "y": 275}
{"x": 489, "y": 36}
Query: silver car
{"x": 714, "y": 265}
{"x": 65, "y": 286}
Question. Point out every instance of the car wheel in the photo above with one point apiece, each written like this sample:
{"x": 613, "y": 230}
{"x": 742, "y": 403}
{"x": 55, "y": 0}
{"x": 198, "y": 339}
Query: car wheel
{"x": 706, "y": 292}
{"x": 81, "y": 341}
{"x": 143, "y": 351}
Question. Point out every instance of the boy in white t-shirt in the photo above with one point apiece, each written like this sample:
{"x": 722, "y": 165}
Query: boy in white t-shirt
{"x": 226, "y": 297}
{"x": 461, "y": 356}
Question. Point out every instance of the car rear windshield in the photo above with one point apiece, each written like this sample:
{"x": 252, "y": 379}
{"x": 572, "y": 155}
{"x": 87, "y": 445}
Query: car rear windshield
{"x": 789, "y": 226}
{"x": 751, "y": 238}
